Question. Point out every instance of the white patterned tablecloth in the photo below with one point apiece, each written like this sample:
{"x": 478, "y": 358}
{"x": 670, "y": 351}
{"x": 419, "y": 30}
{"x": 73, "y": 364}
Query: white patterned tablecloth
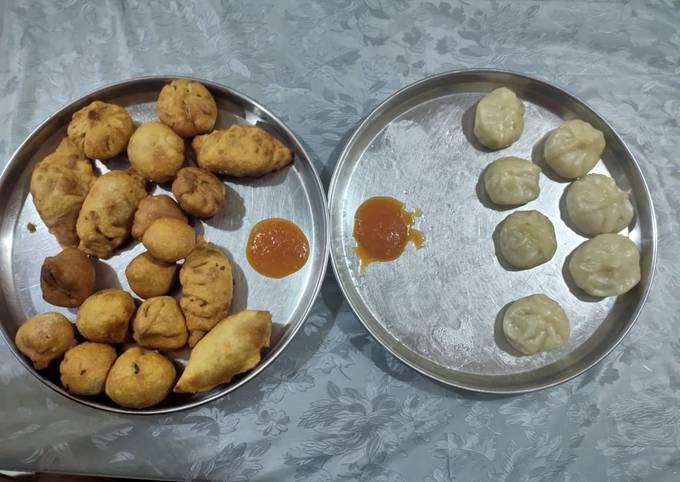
{"x": 336, "y": 406}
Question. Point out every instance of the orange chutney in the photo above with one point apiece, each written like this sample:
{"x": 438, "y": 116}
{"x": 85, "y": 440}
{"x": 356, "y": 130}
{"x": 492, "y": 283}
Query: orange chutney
{"x": 277, "y": 248}
{"x": 382, "y": 228}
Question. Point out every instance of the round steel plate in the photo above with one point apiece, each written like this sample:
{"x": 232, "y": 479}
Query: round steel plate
{"x": 294, "y": 193}
{"x": 439, "y": 309}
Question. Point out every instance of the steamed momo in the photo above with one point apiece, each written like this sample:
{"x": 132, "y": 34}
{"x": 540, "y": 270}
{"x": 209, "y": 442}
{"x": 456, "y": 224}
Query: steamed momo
{"x": 596, "y": 205}
{"x": 499, "y": 119}
{"x": 512, "y": 181}
{"x": 535, "y": 323}
{"x": 573, "y": 149}
{"x": 527, "y": 239}
{"x": 607, "y": 265}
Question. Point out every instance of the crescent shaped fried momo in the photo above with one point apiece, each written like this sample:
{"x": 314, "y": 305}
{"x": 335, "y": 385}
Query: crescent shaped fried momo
{"x": 59, "y": 185}
{"x": 233, "y": 346}
{"x": 105, "y": 220}
{"x": 241, "y": 151}
{"x": 207, "y": 289}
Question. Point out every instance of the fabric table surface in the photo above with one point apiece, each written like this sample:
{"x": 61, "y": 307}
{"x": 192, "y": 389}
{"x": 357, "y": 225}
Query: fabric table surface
{"x": 336, "y": 405}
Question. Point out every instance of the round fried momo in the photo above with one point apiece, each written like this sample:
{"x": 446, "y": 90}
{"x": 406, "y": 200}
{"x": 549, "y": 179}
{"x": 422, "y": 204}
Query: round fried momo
{"x": 140, "y": 378}
{"x": 101, "y": 130}
{"x": 596, "y": 205}
{"x": 169, "y": 239}
{"x": 151, "y": 208}
{"x": 159, "y": 323}
{"x": 527, "y": 239}
{"x": 510, "y": 181}
{"x": 104, "y": 317}
{"x": 499, "y": 119}
{"x": 187, "y": 107}
{"x": 68, "y": 278}
{"x": 156, "y": 152}
{"x": 84, "y": 368}
{"x": 607, "y": 265}
{"x": 535, "y": 323}
{"x": 44, "y": 338}
{"x": 573, "y": 149}
{"x": 149, "y": 277}
{"x": 199, "y": 192}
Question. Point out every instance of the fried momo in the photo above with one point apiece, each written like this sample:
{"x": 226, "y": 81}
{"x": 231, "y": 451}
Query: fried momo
{"x": 199, "y": 192}
{"x": 59, "y": 185}
{"x": 169, "y": 239}
{"x": 105, "y": 219}
{"x": 159, "y": 323}
{"x": 101, "y": 130}
{"x": 151, "y": 208}
{"x": 45, "y": 338}
{"x": 241, "y": 151}
{"x": 84, "y": 368}
{"x": 140, "y": 378}
{"x": 187, "y": 107}
{"x": 156, "y": 152}
{"x": 149, "y": 277}
{"x": 104, "y": 317}
{"x": 207, "y": 289}
{"x": 68, "y": 278}
{"x": 233, "y": 346}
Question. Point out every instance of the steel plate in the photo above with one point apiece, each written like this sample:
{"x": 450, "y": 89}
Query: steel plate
{"x": 294, "y": 193}
{"x": 439, "y": 309}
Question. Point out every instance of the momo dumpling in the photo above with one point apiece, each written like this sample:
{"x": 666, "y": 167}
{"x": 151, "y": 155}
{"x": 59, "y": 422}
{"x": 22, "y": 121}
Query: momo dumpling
{"x": 510, "y": 181}
{"x": 607, "y": 265}
{"x": 527, "y": 239}
{"x": 596, "y": 205}
{"x": 573, "y": 149}
{"x": 536, "y": 323}
{"x": 499, "y": 119}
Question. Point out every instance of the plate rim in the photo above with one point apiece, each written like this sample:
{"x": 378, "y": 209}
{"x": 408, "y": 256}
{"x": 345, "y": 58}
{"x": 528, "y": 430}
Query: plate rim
{"x": 318, "y": 279}
{"x": 335, "y": 263}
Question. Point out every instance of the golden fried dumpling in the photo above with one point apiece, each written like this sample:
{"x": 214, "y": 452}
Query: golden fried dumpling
{"x": 104, "y": 317}
{"x": 101, "y": 130}
{"x": 241, "y": 151}
{"x": 84, "y": 368}
{"x": 44, "y": 338}
{"x": 151, "y": 208}
{"x": 199, "y": 192}
{"x": 105, "y": 219}
{"x": 140, "y": 378}
{"x": 67, "y": 278}
{"x": 187, "y": 107}
{"x": 59, "y": 184}
{"x": 156, "y": 152}
{"x": 207, "y": 289}
{"x": 159, "y": 323}
{"x": 169, "y": 239}
{"x": 149, "y": 277}
{"x": 233, "y": 346}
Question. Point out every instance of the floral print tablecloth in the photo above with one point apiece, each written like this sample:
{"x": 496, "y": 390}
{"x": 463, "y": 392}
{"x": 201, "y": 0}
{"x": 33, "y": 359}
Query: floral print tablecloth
{"x": 336, "y": 406}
